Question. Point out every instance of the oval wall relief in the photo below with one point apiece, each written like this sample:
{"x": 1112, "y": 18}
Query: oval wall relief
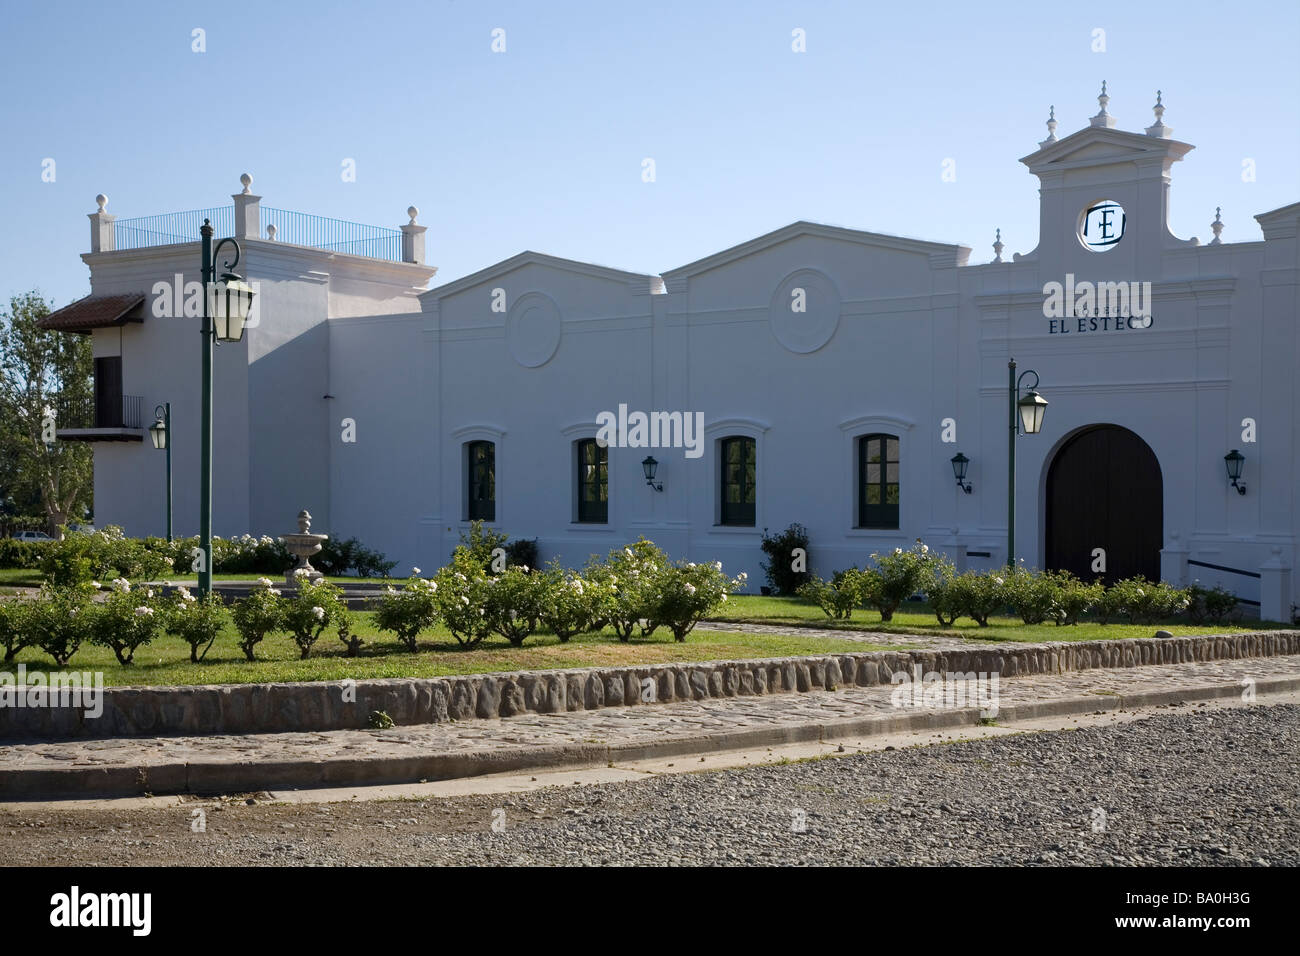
{"x": 805, "y": 311}
{"x": 533, "y": 329}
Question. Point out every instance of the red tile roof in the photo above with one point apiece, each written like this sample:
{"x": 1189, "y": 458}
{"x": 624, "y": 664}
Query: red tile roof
{"x": 96, "y": 312}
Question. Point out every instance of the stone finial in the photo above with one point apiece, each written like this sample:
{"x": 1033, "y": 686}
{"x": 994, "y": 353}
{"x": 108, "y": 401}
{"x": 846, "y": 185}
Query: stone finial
{"x": 412, "y": 212}
{"x": 101, "y": 201}
{"x": 1051, "y": 127}
{"x": 270, "y": 232}
{"x": 1159, "y": 129}
{"x": 998, "y": 247}
{"x": 247, "y": 181}
{"x": 1103, "y": 118}
{"x": 304, "y": 521}
{"x": 1217, "y": 226}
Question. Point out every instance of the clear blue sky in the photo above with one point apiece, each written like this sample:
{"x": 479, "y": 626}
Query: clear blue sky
{"x": 541, "y": 147}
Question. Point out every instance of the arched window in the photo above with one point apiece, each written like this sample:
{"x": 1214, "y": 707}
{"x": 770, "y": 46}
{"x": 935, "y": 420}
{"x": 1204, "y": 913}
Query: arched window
{"x": 878, "y": 481}
{"x": 481, "y": 480}
{"x": 739, "y": 470}
{"x": 593, "y": 481}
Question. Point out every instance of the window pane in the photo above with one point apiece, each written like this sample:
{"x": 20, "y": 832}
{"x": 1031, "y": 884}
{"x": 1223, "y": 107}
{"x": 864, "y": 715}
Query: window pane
{"x": 893, "y": 449}
{"x": 891, "y": 472}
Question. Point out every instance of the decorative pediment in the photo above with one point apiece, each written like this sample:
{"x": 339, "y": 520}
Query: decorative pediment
{"x": 1098, "y": 146}
{"x": 639, "y": 283}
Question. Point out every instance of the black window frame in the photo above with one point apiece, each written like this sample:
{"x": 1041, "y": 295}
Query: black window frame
{"x": 882, "y": 515}
{"x": 479, "y": 507}
{"x": 592, "y": 509}
{"x": 741, "y": 513}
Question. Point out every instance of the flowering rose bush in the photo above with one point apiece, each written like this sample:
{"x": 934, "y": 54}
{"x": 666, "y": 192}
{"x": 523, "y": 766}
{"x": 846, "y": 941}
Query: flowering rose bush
{"x": 515, "y": 600}
{"x": 257, "y": 615}
{"x": 127, "y": 620}
{"x": 897, "y": 577}
{"x": 572, "y": 604}
{"x": 1071, "y": 597}
{"x": 60, "y": 619}
{"x": 409, "y": 611}
{"x": 1030, "y": 594}
{"x": 1143, "y": 601}
{"x": 980, "y": 595}
{"x": 682, "y": 593}
{"x": 315, "y": 607}
{"x": 197, "y": 621}
{"x": 629, "y": 576}
{"x": 461, "y": 598}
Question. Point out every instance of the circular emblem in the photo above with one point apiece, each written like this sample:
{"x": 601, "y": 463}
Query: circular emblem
{"x": 533, "y": 328}
{"x": 805, "y": 311}
{"x": 1101, "y": 225}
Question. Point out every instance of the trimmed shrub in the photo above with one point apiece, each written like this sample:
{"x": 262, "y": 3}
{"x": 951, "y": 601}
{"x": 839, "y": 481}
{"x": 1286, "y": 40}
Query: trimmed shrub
{"x": 407, "y": 612}
{"x": 1213, "y": 605}
{"x": 125, "y": 622}
{"x": 572, "y": 605}
{"x": 1144, "y": 602}
{"x": 837, "y": 597}
{"x": 779, "y": 569}
{"x": 896, "y": 578}
{"x": 515, "y": 601}
{"x": 478, "y": 543}
{"x": 683, "y": 593}
{"x": 943, "y": 598}
{"x": 1072, "y": 598}
{"x": 980, "y": 594}
{"x": 1030, "y": 594}
{"x": 315, "y": 607}
{"x": 630, "y": 576}
{"x": 461, "y": 597}
{"x": 337, "y": 558}
{"x": 59, "y": 619}
{"x": 15, "y": 631}
{"x": 196, "y": 621}
{"x": 257, "y": 615}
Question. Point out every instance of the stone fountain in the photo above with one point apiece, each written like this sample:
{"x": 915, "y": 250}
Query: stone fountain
{"x": 302, "y": 546}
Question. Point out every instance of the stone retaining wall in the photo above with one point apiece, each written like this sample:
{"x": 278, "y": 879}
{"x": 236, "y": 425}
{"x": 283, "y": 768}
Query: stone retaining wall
{"x": 319, "y": 706}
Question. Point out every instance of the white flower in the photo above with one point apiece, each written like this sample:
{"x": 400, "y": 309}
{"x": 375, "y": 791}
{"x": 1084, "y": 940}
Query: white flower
{"x": 415, "y": 570}
{"x": 524, "y": 568}
{"x": 266, "y": 539}
{"x": 149, "y": 593}
{"x": 925, "y": 549}
{"x": 628, "y": 552}
{"x": 144, "y": 612}
{"x": 390, "y": 589}
{"x": 265, "y": 582}
{"x": 318, "y": 613}
{"x": 96, "y": 585}
{"x": 690, "y": 588}
{"x": 998, "y": 580}
{"x": 300, "y": 572}
{"x": 898, "y": 551}
{"x": 724, "y": 596}
{"x": 121, "y": 584}
{"x": 1141, "y": 593}
{"x": 743, "y": 576}
{"x": 273, "y": 591}
{"x": 464, "y": 600}
{"x": 717, "y": 565}
{"x": 169, "y": 562}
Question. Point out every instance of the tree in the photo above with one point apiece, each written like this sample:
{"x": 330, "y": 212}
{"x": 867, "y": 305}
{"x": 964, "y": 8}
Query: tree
{"x": 45, "y": 377}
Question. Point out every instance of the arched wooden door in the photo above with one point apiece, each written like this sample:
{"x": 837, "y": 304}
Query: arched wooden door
{"x": 1104, "y": 490}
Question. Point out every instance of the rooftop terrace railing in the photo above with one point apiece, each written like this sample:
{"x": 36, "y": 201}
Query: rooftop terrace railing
{"x": 280, "y": 225}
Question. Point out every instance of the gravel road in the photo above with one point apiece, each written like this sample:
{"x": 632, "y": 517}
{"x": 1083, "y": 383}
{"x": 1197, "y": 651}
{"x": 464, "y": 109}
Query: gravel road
{"x": 1207, "y": 787}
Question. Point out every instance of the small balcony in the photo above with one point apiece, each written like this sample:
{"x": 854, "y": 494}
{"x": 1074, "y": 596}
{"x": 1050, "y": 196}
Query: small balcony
{"x": 111, "y": 417}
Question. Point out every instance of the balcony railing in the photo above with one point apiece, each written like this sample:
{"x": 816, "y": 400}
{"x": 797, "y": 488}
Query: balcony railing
{"x": 113, "y": 411}
{"x": 293, "y": 228}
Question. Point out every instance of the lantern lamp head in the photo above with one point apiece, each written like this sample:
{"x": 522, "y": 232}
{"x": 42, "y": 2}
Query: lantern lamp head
{"x": 1032, "y": 405}
{"x": 158, "y": 433}
{"x": 1235, "y": 461}
{"x": 650, "y": 467}
{"x": 959, "y": 465}
{"x": 231, "y": 303}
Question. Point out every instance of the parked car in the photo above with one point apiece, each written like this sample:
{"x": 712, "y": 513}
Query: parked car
{"x": 32, "y": 536}
{"x": 80, "y": 528}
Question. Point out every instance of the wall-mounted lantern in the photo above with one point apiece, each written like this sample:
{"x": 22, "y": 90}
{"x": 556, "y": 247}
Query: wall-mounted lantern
{"x": 1235, "y": 461}
{"x": 959, "y": 465}
{"x": 650, "y": 466}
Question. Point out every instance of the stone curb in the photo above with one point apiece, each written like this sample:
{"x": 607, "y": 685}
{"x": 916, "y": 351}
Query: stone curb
{"x": 320, "y": 705}
{"x": 222, "y": 777}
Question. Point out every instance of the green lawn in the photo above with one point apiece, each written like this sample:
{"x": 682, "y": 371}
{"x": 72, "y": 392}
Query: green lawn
{"x": 166, "y": 660}
{"x": 917, "y": 618}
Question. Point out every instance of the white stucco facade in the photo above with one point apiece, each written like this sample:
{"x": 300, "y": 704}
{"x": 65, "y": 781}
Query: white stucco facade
{"x": 805, "y": 340}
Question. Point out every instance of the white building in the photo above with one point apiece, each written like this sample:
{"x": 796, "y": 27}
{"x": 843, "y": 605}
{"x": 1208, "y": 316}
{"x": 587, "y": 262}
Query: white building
{"x": 809, "y": 352}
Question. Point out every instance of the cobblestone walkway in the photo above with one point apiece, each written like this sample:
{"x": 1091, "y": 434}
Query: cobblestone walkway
{"x": 609, "y": 726}
{"x": 920, "y": 642}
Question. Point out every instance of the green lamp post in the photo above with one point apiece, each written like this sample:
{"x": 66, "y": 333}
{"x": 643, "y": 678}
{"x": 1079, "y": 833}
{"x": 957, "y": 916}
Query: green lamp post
{"x": 1027, "y": 414}
{"x": 161, "y": 432}
{"x": 226, "y": 305}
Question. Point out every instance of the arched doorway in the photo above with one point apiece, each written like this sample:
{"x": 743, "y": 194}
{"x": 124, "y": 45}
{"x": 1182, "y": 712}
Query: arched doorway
{"x": 1104, "y": 490}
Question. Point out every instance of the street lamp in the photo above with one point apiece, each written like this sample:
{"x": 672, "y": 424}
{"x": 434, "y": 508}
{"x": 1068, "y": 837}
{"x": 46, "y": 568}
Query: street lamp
{"x": 160, "y": 431}
{"x": 226, "y": 305}
{"x": 1026, "y": 412}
